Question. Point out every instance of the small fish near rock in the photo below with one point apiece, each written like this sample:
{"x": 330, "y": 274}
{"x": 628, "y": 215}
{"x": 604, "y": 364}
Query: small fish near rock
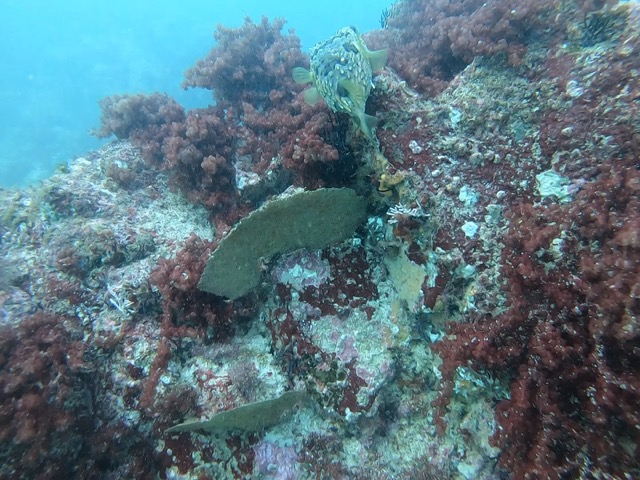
{"x": 341, "y": 73}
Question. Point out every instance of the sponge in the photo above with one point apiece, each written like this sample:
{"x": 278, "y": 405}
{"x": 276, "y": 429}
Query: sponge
{"x": 310, "y": 219}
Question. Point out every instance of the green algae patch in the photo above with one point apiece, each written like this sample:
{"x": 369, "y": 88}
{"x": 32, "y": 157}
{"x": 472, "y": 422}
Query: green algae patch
{"x": 310, "y": 219}
{"x": 407, "y": 278}
{"x": 253, "y": 417}
{"x": 551, "y": 184}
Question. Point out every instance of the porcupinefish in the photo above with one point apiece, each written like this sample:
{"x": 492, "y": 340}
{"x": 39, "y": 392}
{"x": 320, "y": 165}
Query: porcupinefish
{"x": 341, "y": 73}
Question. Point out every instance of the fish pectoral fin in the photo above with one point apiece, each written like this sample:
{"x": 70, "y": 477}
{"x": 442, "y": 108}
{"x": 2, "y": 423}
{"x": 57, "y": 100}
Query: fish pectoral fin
{"x": 378, "y": 59}
{"x": 301, "y": 75}
{"x": 355, "y": 91}
{"x": 312, "y": 96}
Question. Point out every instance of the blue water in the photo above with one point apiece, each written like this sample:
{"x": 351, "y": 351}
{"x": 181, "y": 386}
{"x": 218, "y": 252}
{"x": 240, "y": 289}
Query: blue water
{"x": 59, "y": 58}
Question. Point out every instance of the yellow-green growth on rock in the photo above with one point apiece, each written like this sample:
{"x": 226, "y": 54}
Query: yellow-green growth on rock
{"x": 310, "y": 219}
{"x": 253, "y": 417}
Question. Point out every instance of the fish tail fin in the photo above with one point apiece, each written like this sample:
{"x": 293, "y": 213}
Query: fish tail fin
{"x": 367, "y": 122}
{"x": 312, "y": 96}
{"x": 301, "y": 75}
{"x": 378, "y": 59}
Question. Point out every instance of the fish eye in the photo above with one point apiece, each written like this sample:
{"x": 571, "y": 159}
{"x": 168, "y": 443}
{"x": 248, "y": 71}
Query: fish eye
{"x": 342, "y": 91}
{"x": 350, "y": 47}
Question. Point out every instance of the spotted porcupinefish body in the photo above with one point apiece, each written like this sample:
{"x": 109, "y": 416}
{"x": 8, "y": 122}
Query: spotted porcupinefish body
{"x": 341, "y": 73}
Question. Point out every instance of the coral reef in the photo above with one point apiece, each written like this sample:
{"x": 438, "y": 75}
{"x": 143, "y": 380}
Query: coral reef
{"x": 569, "y": 334}
{"x": 432, "y": 41}
{"x": 257, "y": 139}
{"x": 481, "y": 323}
{"x": 45, "y": 403}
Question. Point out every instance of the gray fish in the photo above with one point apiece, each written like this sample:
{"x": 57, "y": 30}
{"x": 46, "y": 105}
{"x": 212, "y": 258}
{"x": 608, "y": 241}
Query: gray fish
{"x": 341, "y": 72}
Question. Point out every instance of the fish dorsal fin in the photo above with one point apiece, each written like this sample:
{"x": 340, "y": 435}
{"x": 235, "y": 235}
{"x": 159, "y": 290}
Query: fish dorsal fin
{"x": 301, "y": 75}
{"x": 378, "y": 59}
{"x": 356, "y": 92}
{"x": 312, "y": 96}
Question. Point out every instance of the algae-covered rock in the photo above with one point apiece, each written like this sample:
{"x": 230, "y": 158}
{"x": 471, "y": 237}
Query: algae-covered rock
{"x": 311, "y": 219}
{"x": 253, "y": 417}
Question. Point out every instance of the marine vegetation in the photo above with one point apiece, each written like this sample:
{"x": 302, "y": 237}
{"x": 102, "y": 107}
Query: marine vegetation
{"x": 252, "y": 417}
{"x": 476, "y": 317}
{"x": 313, "y": 220}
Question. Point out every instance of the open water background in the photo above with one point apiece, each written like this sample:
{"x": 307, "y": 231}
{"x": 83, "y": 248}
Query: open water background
{"x": 59, "y": 58}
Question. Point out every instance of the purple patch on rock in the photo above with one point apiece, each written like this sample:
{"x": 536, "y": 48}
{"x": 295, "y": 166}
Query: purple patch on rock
{"x": 275, "y": 462}
{"x": 302, "y": 268}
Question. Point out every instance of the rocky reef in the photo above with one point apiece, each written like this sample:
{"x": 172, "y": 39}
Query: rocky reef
{"x": 481, "y": 322}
